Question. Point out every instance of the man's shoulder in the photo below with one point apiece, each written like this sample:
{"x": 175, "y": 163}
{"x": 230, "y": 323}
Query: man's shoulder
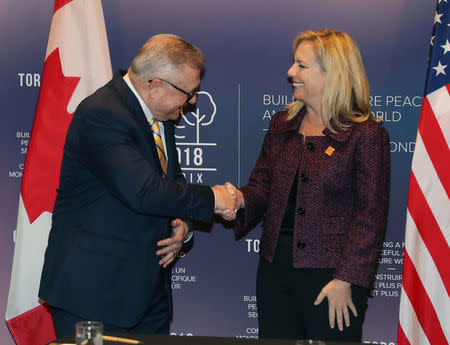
{"x": 106, "y": 96}
{"x": 109, "y": 99}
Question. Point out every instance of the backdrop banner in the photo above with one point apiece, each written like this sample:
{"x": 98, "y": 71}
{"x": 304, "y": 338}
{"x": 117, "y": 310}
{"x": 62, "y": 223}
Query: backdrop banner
{"x": 247, "y": 46}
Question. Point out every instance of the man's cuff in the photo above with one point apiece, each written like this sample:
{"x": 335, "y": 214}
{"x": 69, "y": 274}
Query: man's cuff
{"x": 188, "y": 237}
{"x": 214, "y": 193}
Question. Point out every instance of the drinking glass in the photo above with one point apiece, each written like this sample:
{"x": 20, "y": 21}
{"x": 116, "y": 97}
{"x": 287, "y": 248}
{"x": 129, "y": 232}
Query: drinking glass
{"x": 89, "y": 333}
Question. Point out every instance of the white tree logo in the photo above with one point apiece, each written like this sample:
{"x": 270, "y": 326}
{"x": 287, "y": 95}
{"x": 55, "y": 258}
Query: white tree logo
{"x": 199, "y": 118}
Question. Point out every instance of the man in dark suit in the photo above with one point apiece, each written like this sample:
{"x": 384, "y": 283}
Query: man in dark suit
{"x": 117, "y": 220}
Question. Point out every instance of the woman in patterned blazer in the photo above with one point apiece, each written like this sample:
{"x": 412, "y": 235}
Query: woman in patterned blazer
{"x": 321, "y": 186}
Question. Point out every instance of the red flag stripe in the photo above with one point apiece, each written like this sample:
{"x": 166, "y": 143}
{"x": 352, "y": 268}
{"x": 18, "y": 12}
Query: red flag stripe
{"x": 38, "y": 319}
{"x": 428, "y": 273}
{"x": 435, "y": 144}
{"x": 430, "y": 185}
{"x": 440, "y": 103}
{"x": 409, "y": 323}
{"x": 401, "y": 338}
{"x": 421, "y": 303}
{"x": 429, "y": 230}
{"x": 59, "y": 4}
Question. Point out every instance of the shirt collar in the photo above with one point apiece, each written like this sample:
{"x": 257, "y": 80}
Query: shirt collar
{"x": 144, "y": 106}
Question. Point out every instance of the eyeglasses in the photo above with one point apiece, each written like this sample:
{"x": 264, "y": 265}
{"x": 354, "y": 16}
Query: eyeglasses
{"x": 188, "y": 94}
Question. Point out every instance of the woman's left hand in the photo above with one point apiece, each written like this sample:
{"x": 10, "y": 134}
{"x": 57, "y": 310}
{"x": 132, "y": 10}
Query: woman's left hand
{"x": 339, "y": 297}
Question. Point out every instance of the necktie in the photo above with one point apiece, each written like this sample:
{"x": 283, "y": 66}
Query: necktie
{"x": 159, "y": 145}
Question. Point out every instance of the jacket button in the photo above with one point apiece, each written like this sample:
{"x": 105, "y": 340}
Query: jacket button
{"x": 301, "y": 244}
{"x": 301, "y": 210}
{"x": 310, "y": 146}
{"x": 303, "y": 177}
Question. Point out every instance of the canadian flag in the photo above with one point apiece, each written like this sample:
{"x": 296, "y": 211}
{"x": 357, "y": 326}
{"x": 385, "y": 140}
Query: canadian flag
{"x": 77, "y": 63}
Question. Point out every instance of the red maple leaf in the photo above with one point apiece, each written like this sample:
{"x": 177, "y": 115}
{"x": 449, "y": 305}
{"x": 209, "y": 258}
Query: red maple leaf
{"x": 42, "y": 164}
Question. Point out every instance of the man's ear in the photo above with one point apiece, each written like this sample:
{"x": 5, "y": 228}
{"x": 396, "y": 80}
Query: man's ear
{"x": 153, "y": 89}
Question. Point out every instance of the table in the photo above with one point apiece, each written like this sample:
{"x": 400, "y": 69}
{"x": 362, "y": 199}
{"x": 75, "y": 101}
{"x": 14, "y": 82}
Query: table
{"x": 157, "y": 339}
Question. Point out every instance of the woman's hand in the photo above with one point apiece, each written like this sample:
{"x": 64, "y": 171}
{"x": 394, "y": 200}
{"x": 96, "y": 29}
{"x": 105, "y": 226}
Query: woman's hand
{"x": 339, "y": 297}
{"x": 236, "y": 194}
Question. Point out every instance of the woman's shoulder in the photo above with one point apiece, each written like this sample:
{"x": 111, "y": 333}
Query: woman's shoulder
{"x": 279, "y": 117}
{"x": 370, "y": 130}
{"x": 370, "y": 126}
{"x": 280, "y": 123}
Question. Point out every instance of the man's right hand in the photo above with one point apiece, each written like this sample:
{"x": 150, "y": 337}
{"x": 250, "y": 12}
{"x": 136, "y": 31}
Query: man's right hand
{"x": 228, "y": 200}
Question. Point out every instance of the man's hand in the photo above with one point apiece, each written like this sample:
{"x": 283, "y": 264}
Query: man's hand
{"x": 227, "y": 200}
{"x": 172, "y": 245}
{"x": 231, "y": 214}
{"x": 339, "y": 297}
{"x": 235, "y": 192}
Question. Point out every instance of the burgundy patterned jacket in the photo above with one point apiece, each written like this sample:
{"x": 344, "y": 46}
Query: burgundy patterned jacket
{"x": 342, "y": 195}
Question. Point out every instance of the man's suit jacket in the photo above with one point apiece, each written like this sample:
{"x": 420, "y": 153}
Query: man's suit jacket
{"x": 113, "y": 206}
{"x": 342, "y": 195}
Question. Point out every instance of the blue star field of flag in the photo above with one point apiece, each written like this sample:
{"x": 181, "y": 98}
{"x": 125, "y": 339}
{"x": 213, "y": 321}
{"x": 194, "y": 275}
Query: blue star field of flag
{"x": 439, "y": 66}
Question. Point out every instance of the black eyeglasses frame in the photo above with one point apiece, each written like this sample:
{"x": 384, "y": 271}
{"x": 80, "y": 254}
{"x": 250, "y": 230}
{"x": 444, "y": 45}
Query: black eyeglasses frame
{"x": 188, "y": 94}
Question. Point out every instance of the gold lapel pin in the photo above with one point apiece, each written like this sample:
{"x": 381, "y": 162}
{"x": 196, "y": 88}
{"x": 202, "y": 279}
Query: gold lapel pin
{"x": 329, "y": 151}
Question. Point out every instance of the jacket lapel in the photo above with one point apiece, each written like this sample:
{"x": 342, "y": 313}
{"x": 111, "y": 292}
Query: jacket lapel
{"x": 135, "y": 109}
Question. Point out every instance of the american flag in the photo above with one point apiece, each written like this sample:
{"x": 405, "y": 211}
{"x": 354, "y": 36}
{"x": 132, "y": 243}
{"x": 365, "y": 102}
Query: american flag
{"x": 424, "y": 303}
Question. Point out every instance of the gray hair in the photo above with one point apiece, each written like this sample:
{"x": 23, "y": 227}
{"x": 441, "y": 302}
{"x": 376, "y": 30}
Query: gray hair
{"x": 163, "y": 55}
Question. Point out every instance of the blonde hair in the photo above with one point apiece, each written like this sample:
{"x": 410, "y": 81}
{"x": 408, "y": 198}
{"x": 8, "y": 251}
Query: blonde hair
{"x": 163, "y": 55}
{"x": 346, "y": 92}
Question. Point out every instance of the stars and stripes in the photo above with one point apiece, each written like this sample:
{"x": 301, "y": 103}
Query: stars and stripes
{"x": 425, "y": 304}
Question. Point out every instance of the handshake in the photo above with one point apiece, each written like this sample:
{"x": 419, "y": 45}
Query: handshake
{"x": 228, "y": 199}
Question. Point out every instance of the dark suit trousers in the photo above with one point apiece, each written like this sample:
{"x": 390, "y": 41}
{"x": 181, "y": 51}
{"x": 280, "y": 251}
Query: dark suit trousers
{"x": 286, "y": 295}
{"x": 156, "y": 319}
